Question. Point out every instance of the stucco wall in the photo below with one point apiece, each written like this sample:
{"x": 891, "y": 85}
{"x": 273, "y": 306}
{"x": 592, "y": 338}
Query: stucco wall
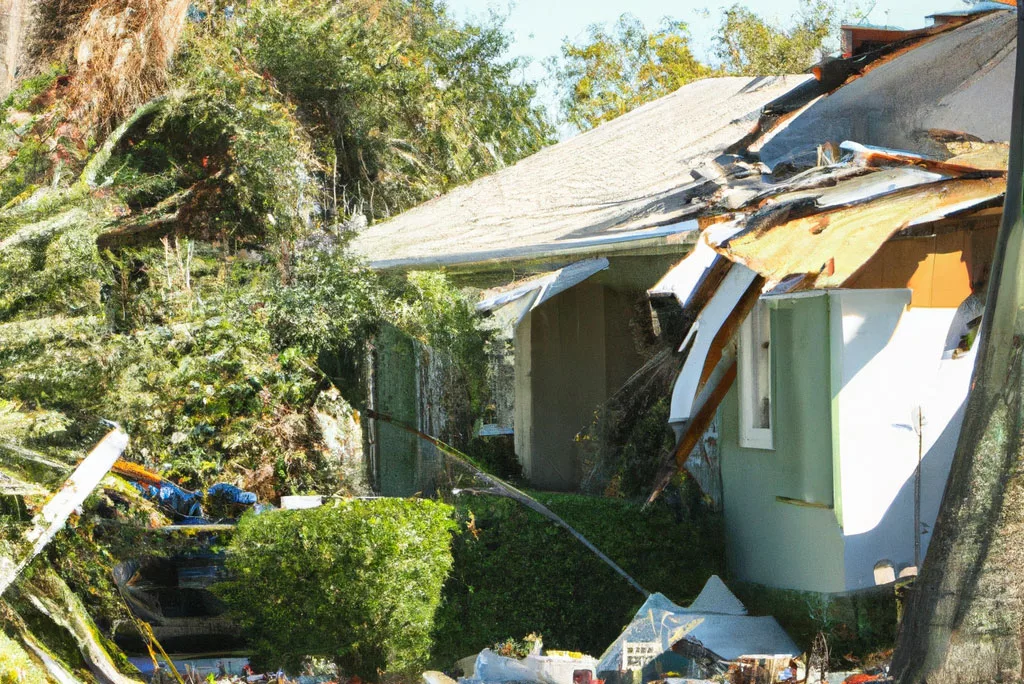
{"x": 891, "y": 362}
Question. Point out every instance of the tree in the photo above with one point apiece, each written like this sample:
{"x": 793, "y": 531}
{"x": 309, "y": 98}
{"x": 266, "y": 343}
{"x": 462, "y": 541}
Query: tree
{"x": 964, "y": 619}
{"x": 748, "y": 45}
{"x": 357, "y": 581}
{"x": 403, "y": 102}
{"x": 614, "y": 71}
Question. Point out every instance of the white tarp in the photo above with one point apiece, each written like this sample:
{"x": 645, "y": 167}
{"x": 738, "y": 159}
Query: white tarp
{"x": 716, "y": 620}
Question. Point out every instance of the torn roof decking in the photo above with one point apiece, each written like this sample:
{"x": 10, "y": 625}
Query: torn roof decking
{"x": 810, "y": 237}
{"x": 959, "y": 79}
{"x": 630, "y": 182}
{"x": 831, "y": 245}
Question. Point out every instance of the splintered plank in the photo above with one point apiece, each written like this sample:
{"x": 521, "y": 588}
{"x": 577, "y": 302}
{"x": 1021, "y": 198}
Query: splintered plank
{"x": 58, "y": 509}
{"x": 832, "y": 245}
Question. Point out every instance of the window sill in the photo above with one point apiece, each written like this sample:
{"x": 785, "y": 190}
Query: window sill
{"x": 804, "y": 504}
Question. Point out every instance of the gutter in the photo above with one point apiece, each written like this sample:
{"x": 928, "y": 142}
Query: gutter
{"x": 675, "y": 237}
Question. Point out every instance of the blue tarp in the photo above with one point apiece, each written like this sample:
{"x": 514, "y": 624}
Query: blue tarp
{"x": 188, "y": 506}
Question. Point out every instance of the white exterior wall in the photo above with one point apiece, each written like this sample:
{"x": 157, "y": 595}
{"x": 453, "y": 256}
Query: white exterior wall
{"x": 888, "y": 361}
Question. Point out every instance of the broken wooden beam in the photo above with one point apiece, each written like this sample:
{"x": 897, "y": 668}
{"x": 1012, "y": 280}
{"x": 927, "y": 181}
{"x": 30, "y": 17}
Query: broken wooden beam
{"x": 61, "y": 505}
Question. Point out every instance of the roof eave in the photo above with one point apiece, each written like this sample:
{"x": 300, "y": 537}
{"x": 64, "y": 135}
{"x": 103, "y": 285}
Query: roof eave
{"x": 679, "y": 241}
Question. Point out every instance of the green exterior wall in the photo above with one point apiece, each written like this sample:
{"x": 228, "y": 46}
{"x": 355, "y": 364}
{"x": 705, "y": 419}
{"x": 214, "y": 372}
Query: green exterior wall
{"x": 795, "y": 543}
{"x": 396, "y": 396}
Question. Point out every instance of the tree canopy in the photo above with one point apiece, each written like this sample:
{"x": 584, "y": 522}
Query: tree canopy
{"x": 616, "y": 69}
{"x": 403, "y": 103}
{"x": 176, "y": 259}
{"x": 748, "y": 45}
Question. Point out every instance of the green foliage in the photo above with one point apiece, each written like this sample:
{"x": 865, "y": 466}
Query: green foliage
{"x": 496, "y": 455}
{"x": 357, "y": 581}
{"x": 427, "y": 306}
{"x": 516, "y": 648}
{"x": 28, "y": 89}
{"x": 333, "y": 303}
{"x": 510, "y": 575}
{"x": 16, "y": 667}
{"x": 614, "y": 71}
{"x": 228, "y": 107}
{"x": 404, "y": 103}
{"x": 29, "y": 166}
{"x": 856, "y": 625}
{"x": 748, "y": 45}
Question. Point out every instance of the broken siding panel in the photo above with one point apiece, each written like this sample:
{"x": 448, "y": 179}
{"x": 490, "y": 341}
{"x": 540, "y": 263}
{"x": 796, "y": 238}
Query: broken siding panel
{"x": 75, "y": 490}
{"x": 702, "y": 337}
{"x": 705, "y": 466}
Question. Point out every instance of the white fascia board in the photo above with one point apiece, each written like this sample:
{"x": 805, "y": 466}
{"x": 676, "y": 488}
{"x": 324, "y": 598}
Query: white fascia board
{"x": 710, "y": 320}
{"x": 684, "y": 278}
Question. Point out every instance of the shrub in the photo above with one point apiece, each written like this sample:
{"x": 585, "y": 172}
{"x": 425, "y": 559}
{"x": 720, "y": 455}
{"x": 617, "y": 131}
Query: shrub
{"x": 516, "y": 572}
{"x": 356, "y": 581}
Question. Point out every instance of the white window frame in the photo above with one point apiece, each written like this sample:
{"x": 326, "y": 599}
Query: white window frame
{"x": 752, "y": 437}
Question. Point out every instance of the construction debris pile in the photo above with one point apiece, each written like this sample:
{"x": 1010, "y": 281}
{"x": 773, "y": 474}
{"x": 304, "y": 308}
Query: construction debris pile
{"x": 712, "y": 637}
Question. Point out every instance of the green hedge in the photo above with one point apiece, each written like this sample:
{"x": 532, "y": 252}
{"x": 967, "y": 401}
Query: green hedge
{"x": 356, "y": 581}
{"x": 859, "y": 626}
{"x": 516, "y": 572}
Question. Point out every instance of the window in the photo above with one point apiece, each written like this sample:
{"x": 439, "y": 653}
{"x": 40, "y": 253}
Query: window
{"x": 755, "y": 376}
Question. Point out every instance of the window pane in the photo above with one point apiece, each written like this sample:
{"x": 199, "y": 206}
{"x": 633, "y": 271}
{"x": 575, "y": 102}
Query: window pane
{"x": 760, "y": 357}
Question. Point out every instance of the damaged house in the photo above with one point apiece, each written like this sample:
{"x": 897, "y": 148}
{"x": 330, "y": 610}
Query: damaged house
{"x": 838, "y": 230}
{"x": 591, "y": 224}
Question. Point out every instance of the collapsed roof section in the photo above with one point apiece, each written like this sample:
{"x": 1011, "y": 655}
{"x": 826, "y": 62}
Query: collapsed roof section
{"x": 815, "y": 231}
{"x": 954, "y": 76}
{"x": 637, "y": 181}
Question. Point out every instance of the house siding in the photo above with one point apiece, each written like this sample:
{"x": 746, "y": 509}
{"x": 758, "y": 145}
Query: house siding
{"x": 769, "y": 541}
{"x": 891, "y": 362}
{"x": 849, "y": 366}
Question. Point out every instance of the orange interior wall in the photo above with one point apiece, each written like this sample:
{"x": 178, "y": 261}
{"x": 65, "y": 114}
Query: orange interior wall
{"x": 939, "y": 269}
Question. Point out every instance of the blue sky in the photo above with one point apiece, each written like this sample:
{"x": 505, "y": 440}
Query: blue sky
{"x": 538, "y": 26}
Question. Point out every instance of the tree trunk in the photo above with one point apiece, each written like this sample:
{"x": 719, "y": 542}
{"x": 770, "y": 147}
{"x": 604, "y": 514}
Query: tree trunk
{"x": 965, "y": 618}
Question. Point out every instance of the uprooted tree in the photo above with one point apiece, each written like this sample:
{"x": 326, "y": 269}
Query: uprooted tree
{"x": 964, "y": 619}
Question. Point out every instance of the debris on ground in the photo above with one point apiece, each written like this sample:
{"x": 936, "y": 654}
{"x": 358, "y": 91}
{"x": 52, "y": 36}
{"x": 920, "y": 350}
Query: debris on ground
{"x": 224, "y": 500}
{"x": 552, "y": 667}
{"x": 711, "y": 637}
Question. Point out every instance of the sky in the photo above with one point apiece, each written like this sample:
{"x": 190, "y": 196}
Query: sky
{"x": 538, "y": 26}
